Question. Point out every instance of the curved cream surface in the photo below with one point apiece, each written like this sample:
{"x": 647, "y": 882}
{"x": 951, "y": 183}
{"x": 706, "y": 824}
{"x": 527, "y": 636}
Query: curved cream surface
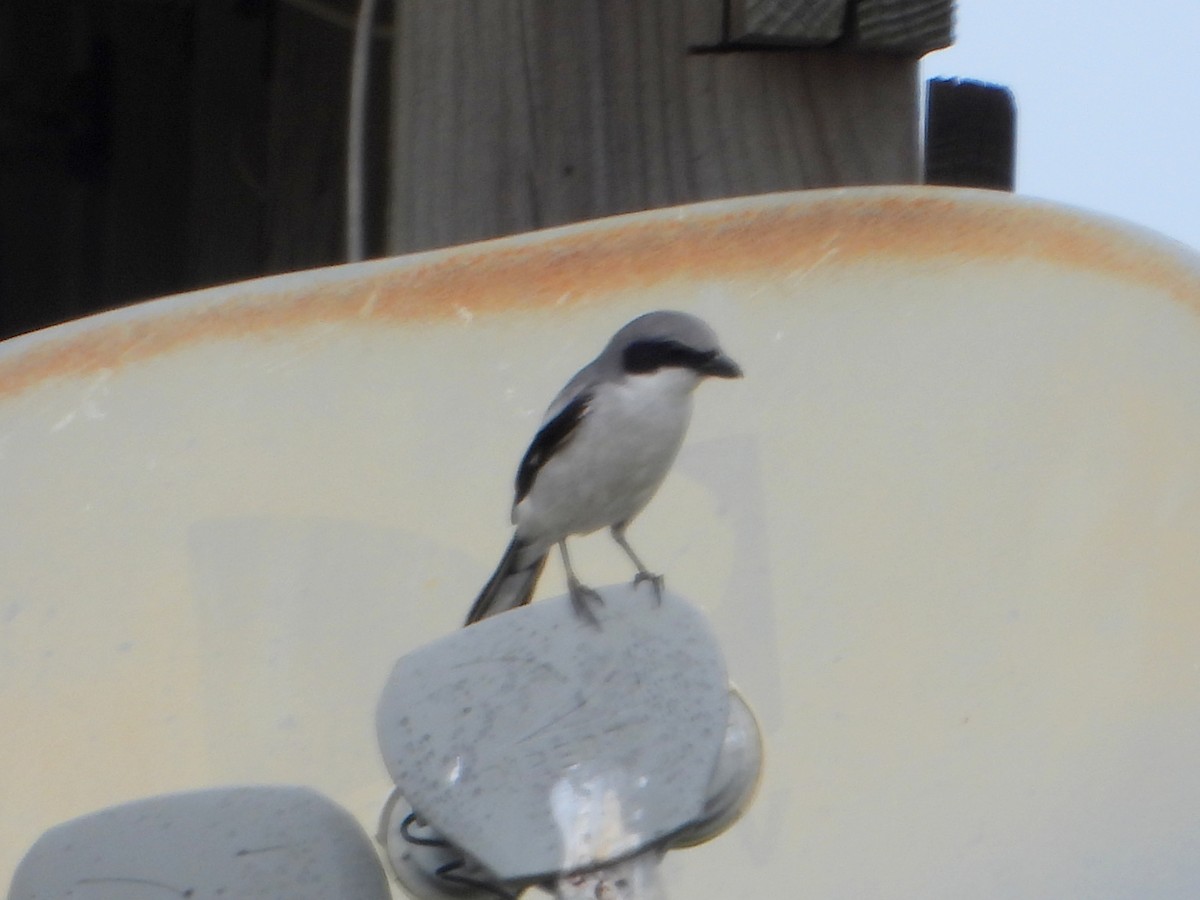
{"x": 947, "y": 528}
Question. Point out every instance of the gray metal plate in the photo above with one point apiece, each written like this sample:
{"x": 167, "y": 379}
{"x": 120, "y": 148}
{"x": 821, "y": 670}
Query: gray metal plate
{"x": 250, "y": 843}
{"x": 539, "y": 743}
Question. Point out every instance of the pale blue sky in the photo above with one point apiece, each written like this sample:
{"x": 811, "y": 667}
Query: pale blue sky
{"x": 1108, "y": 100}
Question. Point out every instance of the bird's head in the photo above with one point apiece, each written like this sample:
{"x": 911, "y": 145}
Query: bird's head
{"x": 668, "y": 340}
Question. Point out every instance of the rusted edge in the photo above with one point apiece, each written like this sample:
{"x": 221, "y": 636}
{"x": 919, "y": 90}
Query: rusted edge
{"x": 567, "y": 266}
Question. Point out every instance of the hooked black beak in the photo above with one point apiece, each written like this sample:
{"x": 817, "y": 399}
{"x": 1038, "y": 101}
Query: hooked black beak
{"x": 721, "y": 366}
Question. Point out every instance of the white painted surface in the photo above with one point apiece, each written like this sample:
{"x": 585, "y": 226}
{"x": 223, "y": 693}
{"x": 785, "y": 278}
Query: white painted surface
{"x": 946, "y": 529}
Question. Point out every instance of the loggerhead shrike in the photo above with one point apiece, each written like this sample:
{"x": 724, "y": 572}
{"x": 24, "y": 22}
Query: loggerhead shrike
{"x": 605, "y": 445}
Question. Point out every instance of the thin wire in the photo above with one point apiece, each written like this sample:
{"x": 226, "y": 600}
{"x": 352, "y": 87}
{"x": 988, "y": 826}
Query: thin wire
{"x": 360, "y": 64}
{"x": 448, "y": 873}
{"x": 449, "y": 870}
{"x": 406, "y": 825}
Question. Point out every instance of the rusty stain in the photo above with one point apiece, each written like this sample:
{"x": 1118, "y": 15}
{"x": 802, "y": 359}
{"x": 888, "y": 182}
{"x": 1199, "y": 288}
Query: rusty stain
{"x": 789, "y": 233}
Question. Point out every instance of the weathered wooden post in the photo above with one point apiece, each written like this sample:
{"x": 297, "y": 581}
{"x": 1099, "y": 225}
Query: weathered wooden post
{"x": 517, "y": 114}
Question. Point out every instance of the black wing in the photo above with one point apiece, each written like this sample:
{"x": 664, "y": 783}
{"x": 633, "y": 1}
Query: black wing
{"x": 549, "y": 440}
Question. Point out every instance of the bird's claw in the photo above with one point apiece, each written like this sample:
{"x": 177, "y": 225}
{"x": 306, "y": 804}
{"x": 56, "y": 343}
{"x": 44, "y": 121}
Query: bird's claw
{"x": 655, "y": 580}
{"x": 582, "y": 598}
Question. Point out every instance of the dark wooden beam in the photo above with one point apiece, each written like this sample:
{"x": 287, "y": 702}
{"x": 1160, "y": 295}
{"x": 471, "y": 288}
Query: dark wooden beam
{"x": 903, "y": 26}
{"x": 53, "y": 157}
{"x": 144, "y": 237}
{"x": 786, "y": 22}
{"x": 970, "y": 134}
{"x": 94, "y": 187}
{"x": 884, "y": 26}
{"x": 152, "y": 147}
{"x": 229, "y": 127}
{"x": 306, "y": 145}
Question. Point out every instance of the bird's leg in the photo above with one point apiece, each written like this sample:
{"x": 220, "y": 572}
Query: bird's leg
{"x": 581, "y": 594}
{"x": 643, "y": 574}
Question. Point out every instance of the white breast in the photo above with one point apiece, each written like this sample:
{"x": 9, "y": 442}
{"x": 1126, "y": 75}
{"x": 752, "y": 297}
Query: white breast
{"x": 615, "y": 462}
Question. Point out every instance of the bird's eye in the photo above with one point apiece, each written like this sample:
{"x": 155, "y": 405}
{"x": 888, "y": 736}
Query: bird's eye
{"x": 643, "y": 357}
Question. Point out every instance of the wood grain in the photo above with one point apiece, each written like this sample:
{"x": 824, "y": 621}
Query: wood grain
{"x": 903, "y": 26}
{"x": 510, "y": 116}
{"x": 797, "y": 22}
{"x": 892, "y": 26}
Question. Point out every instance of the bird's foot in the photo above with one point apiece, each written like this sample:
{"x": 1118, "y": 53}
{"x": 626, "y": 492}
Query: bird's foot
{"x": 655, "y": 580}
{"x": 582, "y": 598}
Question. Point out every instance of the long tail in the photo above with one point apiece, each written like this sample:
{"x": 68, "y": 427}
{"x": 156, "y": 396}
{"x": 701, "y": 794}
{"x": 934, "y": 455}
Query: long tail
{"x": 511, "y": 585}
